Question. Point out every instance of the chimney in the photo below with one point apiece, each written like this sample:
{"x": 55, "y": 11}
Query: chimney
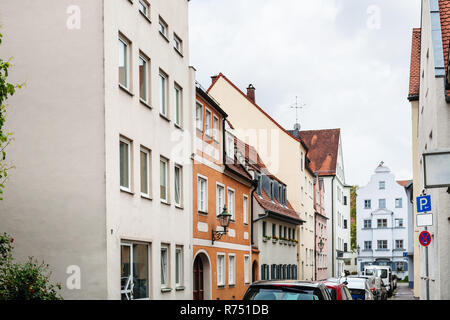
{"x": 213, "y": 78}
{"x": 251, "y": 92}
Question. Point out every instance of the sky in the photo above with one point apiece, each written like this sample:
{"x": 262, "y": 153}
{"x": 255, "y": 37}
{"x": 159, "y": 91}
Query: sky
{"x": 346, "y": 60}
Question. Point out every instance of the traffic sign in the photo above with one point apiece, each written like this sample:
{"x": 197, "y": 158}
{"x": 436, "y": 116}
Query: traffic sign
{"x": 425, "y": 238}
{"x": 423, "y": 204}
{"x": 424, "y": 219}
{"x": 405, "y": 254}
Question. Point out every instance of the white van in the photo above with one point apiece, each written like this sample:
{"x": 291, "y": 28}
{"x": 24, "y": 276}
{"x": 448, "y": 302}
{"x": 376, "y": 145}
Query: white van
{"x": 384, "y": 272}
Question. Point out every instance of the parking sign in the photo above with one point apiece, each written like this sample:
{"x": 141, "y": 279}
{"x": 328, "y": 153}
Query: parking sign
{"x": 423, "y": 204}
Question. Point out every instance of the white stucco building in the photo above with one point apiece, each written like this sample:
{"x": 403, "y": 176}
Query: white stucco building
{"x": 383, "y": 223}
{"x": 102, "y": 189}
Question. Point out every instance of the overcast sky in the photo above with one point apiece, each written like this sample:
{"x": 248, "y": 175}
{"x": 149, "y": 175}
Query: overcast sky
{"x": 347, "y": 60}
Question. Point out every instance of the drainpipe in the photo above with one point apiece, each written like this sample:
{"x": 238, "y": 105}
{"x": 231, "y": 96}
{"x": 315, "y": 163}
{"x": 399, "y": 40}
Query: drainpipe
{"x": 332, "y": 228}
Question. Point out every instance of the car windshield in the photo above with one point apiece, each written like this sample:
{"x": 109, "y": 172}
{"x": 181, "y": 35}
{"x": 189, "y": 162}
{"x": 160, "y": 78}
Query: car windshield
{"x": 333, "y": 293}
{"x": 283, "y": 293}
{"x": 383, "y": 273}
{"x": 369, "y": 272}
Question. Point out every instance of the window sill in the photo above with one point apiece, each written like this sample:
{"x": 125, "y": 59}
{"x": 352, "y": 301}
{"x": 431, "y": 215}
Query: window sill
{"x": 179, "y": 207}
{"x": 164, "y": 117}
{"x": 220, "y": 286}
{"x": 179, "y": 52}
{"x": 232, "y": 285}
{"x": 164, "y": 37}
{"x": 166, "y": 290}
{"x": 199, "y": 130}
{"x": 178, "y": 126}
{"x": 127, "y": 191}
{"x": 145, "y": 16}
{"x": 203, "y": 213}
{"x": 165, "y": 202}
{"x": 143, "y": 196}
{"x": 145, "y": 104}
{"x": 180, "y": 288}
{"x": 126, "y": 90}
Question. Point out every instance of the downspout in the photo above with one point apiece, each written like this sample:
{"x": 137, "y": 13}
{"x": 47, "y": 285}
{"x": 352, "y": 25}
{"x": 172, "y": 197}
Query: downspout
{"x": 332, "y": 227}
{"x": 315, "y": 246}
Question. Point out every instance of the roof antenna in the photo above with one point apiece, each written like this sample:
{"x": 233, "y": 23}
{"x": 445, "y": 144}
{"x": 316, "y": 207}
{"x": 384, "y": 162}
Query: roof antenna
{"x": 297, "y": 107}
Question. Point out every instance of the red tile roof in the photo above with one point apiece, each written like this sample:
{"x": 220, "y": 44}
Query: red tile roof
{"x": 403, "y": 183}
{"x": 414, "y": 77}
{"x": 444, "y": 11}
{"x": 323, "y": 148}
{"x": 275, "y": 207}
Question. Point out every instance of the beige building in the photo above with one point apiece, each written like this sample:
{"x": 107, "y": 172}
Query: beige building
{"x": 102, "y": 185}
{"x": 271, "y": 141}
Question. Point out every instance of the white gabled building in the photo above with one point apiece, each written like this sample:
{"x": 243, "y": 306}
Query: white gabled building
{"x": 383, "y": 223}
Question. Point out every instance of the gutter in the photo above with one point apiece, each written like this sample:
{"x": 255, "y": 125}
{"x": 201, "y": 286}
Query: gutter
{"x": 332, "y": 227}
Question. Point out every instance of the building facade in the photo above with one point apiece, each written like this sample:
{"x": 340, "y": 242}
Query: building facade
{"x": 320, "y": 231}
{"x": 383, "y": 223}
{"x": 430, "y": 98}
{"x": 108, "y": 179}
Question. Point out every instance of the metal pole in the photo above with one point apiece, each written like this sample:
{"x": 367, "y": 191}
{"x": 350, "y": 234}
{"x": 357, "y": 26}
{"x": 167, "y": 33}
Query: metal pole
{"x": 427, "y": 274}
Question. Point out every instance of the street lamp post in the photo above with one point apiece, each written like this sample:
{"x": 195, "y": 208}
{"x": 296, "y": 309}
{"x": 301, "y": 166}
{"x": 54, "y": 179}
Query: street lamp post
{"x": 224, "y": 220}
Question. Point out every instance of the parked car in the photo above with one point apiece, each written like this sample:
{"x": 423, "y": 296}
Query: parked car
{"x": 287, "y": 290}
{"x": 376, "y": 286}
{"x": 359, "y": 287}
{"x": 385, "y": 273}
{"x": 338, "y": 291}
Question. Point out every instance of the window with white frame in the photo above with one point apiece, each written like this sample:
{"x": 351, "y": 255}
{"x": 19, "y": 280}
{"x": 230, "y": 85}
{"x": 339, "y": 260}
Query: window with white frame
{"x": 367, "y": 224}
{"x": 164, "y": 174}
{"x": 367, "y": 204}
{"x": 382, "y": 185}
{"x": 398, "y": 203}
{"x": 163, "y": 27}
{"x": 382, "y": 203}
{"x": 145, "y": 172}
{"x": 398, "y": 223}
{"x": 165, "y": 266}
{"x": 163, "y": 93}
{"x": 124, "y": 56}
{"x": 178, "y": 177}
{"x": 202, "y": 187}
{"x": 199, "y": 116}
{"x": 220, "y": 198}
{"x": 399, "y": 244}
{"x": 134, "y": 270}
{"x": 143, "y": 78}
{"x": 216, "y": 128}
{"x": 144, "y": 8}
{"x": 177, "y": 43}
{"x": 208, "y": 118}
{"x": 231, "y": 269}
{"x": 382, "y": 244}
{"x": 179, "y": 266}
{"x": 178, "y": 105}
{"x": 220, "y": 269}
{"x": 125, "y": 164}
{"x": 231, "y": 204}
{"x": 245, "y": 209}
{"x": 246, "y": 269}
{"x": 230, "y": 146}
{"x": 381, "y": 223}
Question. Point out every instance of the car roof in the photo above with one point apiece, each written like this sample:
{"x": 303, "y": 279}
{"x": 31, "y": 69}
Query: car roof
{"x": 300, "y": 283}
{"x": 332, "y": 284}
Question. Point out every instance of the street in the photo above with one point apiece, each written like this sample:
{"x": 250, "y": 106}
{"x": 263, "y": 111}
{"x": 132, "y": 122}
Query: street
{"x": 403, "y": 292}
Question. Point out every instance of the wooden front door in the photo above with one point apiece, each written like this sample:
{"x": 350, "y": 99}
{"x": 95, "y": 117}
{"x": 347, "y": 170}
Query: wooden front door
{"x": 198, "y": 279}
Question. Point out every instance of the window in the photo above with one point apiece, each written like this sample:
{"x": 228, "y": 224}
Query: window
{"x": 345, "y": 223}
{"x": 301, "y": 162}
{"x": 280, "y": 231}
{"x": 399, "y": 244}
{"x": 178, "y": 105}
{"x": 345, "y": 200}
{"x": 381, "y": 223}
{"x": 231, "y": 270}
{"x": 367, "y": 224}
{"x": 178, "y": 185}
{"x": 264, "y": 229}
{"x": 163, "y": 93}
{"x": 216, "y": 129}
{"x": 246, "y": 269}
{"x": 245, "y": 209}
{"x": 220, "y": 198}
{"x": 145, "y": 172}
{"x": 398, "y": 223}
{"x": 163, "y": 27}
{"x": 199, "y": 116}
{"x": 285, "y": 232}
{"x": 398, "y": 203}
{"x": 367, "y": 204}
{"x": 230, "y": 146}
{"x": 125, "y": 164}
{"x": 124, "y": 53}
{"x": 179, "y": 266}
{"x": 208, "y": 116}
{"x": 143, "y": 79}
{"x": 382, "y": 185}
{"x": 177, "y": 43}
{"x": 134, "y": 271}
{"x": 367, "y": 245}
{"x": 382, "y": 244}
{"x": 202, "y": 194}
{"x": 382, "y": 203}
{"x": 274, "y": 230}
{"x": 144, "y": 8}
{"x": 231, "y": 202}
{"x": 272, "y": 190}
{"x": 163, "y": 180}
{"x": 220, "y": 269}
{"x": 164, "y": 266}
{"x": 345, "y": 247}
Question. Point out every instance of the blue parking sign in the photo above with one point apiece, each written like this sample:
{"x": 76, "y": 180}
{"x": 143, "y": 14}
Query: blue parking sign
{"x": 423, "y": 204}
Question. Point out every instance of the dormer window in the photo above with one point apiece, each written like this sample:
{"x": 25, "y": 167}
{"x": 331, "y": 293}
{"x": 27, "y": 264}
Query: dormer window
{"x": 272, "y": 190}
{"x": 230, "y": 146}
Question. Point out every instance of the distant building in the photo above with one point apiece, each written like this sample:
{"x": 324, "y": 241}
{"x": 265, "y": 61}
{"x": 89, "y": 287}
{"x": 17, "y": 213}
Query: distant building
{"x": 320, "y": 231}
{"x": 383, "y": 223}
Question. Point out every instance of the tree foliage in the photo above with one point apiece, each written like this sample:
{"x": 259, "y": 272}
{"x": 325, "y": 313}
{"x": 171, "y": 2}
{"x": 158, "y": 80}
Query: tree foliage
{"x": 353, "y": 218}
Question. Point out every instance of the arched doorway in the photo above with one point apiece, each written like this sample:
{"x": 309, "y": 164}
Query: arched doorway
{"x": 201, "y": 277}
{"x": 255, "y": 271}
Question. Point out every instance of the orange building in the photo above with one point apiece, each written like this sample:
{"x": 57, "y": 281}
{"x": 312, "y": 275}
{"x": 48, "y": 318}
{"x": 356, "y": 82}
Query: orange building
{"x": 222, "y": 267}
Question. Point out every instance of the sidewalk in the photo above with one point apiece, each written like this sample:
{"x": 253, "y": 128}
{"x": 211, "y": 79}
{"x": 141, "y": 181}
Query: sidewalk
{"x": 403, "y": 292}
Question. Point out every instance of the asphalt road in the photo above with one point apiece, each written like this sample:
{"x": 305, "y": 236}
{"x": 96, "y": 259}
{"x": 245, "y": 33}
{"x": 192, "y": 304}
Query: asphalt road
{"x": 403, "y": 292}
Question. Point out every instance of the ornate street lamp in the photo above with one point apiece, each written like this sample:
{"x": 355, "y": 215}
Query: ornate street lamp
{"x": 224, "y": 220}
{"x": 321, "y": 245}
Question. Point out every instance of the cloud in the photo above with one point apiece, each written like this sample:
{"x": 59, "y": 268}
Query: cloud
{"x": 349, "y": 74}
